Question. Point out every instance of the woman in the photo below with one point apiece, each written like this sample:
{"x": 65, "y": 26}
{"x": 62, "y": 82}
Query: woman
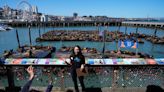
{"x": 77, "y": 62}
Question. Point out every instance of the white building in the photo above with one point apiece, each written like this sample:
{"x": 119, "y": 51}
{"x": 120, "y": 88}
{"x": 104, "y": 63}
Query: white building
{"x": 82, "y": 19}
{"x": 44, "y": 18}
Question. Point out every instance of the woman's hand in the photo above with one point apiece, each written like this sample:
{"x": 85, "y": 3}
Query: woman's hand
{"x": 30, "y": 71}
{"x": 68, "y": 63}
{"x": 82, "y": 67}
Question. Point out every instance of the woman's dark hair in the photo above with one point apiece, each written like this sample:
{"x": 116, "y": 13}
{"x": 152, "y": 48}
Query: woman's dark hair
{"x": 80, "y": 52}
{"x": 1, "y": 90}
{"x": 154, "y": 88}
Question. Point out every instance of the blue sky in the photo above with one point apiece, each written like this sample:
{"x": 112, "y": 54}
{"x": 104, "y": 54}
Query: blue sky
{"x": 111, "y": 8}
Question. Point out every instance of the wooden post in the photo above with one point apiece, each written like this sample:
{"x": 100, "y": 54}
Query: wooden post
{"x": 17, "y": 38}
{"x": 125, "y": 30}
{"x": 30, "y": 53}
{"x": 39, "y": 31}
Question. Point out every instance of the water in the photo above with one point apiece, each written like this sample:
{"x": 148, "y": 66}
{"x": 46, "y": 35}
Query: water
{"x": 8, "y": 39}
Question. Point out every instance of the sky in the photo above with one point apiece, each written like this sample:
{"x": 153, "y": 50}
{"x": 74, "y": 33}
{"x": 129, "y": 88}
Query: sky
{"x": 111, "y": 8}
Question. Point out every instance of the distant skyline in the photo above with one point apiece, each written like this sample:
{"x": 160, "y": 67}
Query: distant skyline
{"x": 111, "y": 8}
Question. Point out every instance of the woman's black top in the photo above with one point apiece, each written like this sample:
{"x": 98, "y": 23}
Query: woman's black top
{"x": 77, "y": 61}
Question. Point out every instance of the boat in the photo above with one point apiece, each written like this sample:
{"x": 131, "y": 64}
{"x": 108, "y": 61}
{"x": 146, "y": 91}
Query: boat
{"x": 5, "y": 27}
{"x": 2, "y": 29}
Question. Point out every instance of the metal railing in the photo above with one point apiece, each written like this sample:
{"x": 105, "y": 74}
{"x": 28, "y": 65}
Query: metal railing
{"x": 115, "y": 76}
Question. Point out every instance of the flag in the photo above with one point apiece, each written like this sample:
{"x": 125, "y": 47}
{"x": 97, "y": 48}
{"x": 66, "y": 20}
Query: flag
{"x": 101, "y": 33}
{"x": 128, "y": 44}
